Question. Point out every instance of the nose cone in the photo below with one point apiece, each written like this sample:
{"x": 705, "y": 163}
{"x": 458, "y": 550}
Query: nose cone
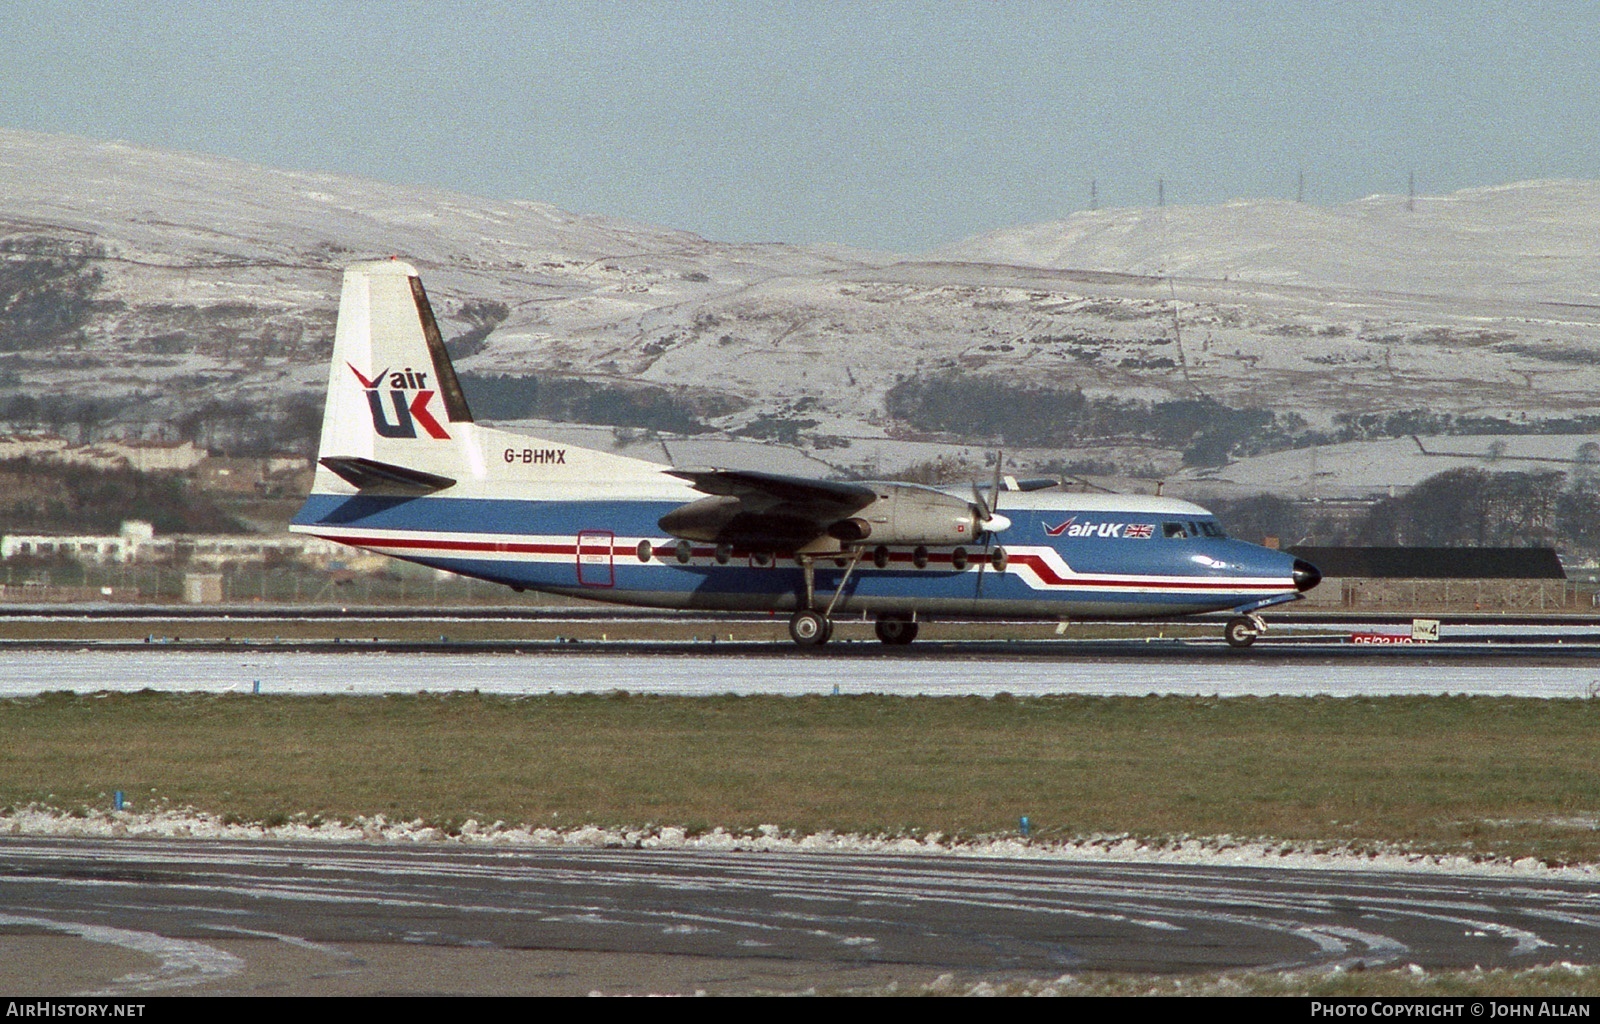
{"x": 1306, "y": 575}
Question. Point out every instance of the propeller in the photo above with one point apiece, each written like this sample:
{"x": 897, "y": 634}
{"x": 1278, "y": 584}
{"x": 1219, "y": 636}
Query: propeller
{"x": 989, "y": 518}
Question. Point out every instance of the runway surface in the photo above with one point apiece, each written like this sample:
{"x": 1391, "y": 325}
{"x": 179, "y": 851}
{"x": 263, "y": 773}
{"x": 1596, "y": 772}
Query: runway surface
{"x": 1291, "y": 616}
{"x": 255, "y": 917}
{"x": 945, "y": 670}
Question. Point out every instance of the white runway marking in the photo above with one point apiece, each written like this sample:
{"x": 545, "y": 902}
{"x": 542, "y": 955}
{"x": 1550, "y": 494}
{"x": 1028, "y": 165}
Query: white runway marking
{"x": 25, "y": 673}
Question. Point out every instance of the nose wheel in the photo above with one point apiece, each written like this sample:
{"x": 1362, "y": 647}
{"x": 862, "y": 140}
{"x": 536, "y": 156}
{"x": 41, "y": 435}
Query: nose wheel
{"x": 810, "y": 629}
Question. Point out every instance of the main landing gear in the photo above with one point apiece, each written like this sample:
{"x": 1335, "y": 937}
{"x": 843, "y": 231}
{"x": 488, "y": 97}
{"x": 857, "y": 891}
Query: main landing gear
{"x": 813, "y": 629}
{"x": 1242, "y": 630}
{"x": 895, "y": 630}
{"x": 810, "y": 628}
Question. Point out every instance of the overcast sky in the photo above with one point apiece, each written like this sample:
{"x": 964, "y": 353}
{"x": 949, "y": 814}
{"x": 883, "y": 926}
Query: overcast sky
{"x": 896, "y": 126}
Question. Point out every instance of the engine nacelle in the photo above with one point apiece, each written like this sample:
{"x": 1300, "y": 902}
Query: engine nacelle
{"x": 723, "y": 519}
{"x": 913, "y": 514}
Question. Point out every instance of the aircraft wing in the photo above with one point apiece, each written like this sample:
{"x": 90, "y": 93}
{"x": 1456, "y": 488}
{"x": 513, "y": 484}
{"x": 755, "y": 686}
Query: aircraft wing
{"x": 762, "y": 509}
{"x": 765, "y": 489}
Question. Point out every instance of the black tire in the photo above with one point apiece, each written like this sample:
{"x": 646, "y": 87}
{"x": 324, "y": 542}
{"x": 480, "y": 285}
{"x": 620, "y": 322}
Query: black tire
{"x": 809, "y": 629}
{"x": 1239, "y": 632}
{"x": 895, "y": 631}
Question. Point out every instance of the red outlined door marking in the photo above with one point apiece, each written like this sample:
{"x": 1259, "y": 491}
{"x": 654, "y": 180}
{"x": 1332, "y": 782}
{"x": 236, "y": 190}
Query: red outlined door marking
{"x": 595, "y": 567}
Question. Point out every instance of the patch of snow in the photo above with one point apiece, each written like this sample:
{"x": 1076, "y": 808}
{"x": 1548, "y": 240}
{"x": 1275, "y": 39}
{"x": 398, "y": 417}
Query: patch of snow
{"x": 1478, "y": 241}
{"x": 1365, "y": 469}
{"x": 35, "y": 820}
{"x": 26, "y": 673}
{"x": 183, "y": 962}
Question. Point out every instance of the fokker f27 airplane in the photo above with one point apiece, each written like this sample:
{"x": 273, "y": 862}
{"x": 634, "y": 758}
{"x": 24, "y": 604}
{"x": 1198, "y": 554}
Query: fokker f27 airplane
{"x": 404, "y": 471}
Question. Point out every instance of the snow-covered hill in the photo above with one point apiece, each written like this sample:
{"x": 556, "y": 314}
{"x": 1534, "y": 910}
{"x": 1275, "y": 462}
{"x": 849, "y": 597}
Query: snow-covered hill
{"x": 1375, "y": 469}
{"x": 1534, "y": 240}
{"x": 202, "y": 281}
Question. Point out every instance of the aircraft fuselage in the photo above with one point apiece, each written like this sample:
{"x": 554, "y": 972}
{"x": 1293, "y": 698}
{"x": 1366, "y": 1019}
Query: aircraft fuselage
{"x": 1084, "y": 558}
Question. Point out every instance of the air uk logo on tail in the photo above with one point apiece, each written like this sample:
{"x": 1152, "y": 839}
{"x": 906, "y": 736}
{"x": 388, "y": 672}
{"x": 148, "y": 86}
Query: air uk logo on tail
{"x": 408, "y": 397}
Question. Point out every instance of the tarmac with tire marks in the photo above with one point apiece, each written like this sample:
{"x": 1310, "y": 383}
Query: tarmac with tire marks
{"x": 134, "y": 916}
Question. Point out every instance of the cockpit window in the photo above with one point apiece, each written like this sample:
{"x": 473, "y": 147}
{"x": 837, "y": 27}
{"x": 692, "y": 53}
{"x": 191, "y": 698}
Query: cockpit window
{"x": 1193, "y": 528}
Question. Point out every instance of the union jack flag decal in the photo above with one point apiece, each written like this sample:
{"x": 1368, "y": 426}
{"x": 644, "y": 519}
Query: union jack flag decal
{"x": 1140, "y": 531}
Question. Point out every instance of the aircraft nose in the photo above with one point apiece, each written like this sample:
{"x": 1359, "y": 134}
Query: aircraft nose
{"x": 1306, "y": 575}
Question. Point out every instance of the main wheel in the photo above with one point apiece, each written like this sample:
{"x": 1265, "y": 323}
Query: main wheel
{"x": 809, "y": 628}
{"x": 1239, "y": 632}
{"x": 897, "y": 631}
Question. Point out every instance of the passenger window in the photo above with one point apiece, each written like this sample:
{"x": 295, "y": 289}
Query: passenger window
{"x": 1172, "y": 529}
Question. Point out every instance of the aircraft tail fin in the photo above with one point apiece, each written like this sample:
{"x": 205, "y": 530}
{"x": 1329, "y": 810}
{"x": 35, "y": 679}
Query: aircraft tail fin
{"x": 393, "y": 396}
{"x": 397, "y": 422}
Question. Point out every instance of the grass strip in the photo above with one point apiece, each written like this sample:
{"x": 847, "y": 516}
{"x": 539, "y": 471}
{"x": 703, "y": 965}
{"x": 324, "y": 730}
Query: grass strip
{"x": 1479, "y": 776}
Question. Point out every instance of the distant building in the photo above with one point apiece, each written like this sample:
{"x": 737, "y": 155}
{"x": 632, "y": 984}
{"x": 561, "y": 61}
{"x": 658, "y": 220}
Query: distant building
{"x": 157, "y": 456}
{"x": 233, "y": 476}
{"x": 254, "y": 476}
{"x": 137, "y": 542}
{"x": 274, "y": 474}
{"x": 202, "y": 588}
{"x": 135, "y": 539}
{"x": 145, "y": 456}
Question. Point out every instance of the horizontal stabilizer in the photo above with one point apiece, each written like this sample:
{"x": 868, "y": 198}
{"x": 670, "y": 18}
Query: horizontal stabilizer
{"x": 372, "y": 475}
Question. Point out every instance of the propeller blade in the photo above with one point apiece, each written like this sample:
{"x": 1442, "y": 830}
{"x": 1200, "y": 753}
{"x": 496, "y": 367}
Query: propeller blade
{"x": 980, "y": 504}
